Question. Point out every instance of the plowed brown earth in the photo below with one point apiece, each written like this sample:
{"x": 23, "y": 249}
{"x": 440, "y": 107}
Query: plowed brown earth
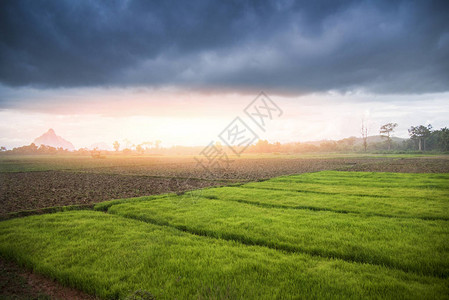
{"x": 35, "y": 190}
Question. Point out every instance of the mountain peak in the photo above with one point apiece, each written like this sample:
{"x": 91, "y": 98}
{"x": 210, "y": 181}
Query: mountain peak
{"x": 51, "y": 139}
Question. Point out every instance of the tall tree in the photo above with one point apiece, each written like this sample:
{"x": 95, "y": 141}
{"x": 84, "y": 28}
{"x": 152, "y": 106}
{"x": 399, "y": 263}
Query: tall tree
{"x": 149, "y": 144}
{"x": 420, "y": 133}
{"x": 443, "y": 141}
{"x": 364, "y": 135}
{"x": 386, "y": 131}
{"x": 438, "y": 140}
{"x": 140, "y": 149}
{"x": 116, "y": 146}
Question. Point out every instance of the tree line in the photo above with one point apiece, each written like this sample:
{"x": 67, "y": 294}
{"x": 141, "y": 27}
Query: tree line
{"x": 422, "y": 138}
{"x": 34, "y": 149}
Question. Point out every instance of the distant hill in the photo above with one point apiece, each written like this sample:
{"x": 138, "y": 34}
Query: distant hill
{"x": 51, "y": 139}
{"x": 358, "y": 141}
{"x": 378, "y": 139}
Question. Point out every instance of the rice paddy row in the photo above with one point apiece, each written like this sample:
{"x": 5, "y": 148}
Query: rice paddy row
{"x": 325, "y": 234}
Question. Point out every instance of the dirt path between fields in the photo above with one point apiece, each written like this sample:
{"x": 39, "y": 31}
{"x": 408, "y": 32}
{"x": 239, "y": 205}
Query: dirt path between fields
{"x": 19, "y": 283}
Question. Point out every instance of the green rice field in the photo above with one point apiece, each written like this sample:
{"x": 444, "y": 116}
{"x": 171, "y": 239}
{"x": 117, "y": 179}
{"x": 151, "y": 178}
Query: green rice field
{"x": 327, "y": 234}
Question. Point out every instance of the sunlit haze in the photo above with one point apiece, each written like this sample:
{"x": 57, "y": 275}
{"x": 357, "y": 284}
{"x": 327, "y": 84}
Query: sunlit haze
{"x": 135, "y": 81}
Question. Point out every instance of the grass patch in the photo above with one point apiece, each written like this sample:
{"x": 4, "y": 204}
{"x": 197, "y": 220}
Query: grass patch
{"x": 115, "y": 257}
{"x": 405, "y": 206}
{"x": 408, "y": 244}
{"x": 105, "y": 205}
{"x": 382, "y": 185}
{"x": 343, "y": 235}
{"x": 47, "y": 210}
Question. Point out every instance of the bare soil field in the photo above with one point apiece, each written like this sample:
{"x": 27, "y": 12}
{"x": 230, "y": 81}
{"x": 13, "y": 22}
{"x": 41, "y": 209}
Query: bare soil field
{"x": 127, "y": 178}
{"x": 35, "y": 190}
{"x": 237, "y": 170}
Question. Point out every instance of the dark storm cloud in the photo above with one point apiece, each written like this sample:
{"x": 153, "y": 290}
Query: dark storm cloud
{"x": 285, "y": 46}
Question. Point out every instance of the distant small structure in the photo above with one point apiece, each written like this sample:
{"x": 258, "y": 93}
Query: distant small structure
{"x": 95, "y": 153}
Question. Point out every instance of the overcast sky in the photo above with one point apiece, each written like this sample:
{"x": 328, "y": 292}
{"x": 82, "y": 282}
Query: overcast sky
{"x": 103, "y": 70}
